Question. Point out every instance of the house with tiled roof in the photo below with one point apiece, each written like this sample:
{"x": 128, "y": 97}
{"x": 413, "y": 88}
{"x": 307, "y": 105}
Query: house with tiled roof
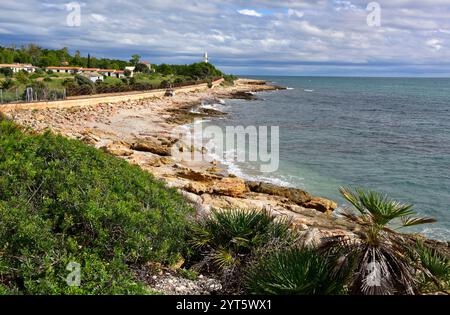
{"x": 75, "y": 70}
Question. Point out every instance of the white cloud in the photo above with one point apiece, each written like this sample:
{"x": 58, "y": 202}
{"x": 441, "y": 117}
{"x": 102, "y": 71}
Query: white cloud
{"x": 282, "y": 34}
{"x": 249, "y": 12}
{"x": 434, "y": 43}
{"x": 295, "y": 13}
{"x": 98, "y": 18}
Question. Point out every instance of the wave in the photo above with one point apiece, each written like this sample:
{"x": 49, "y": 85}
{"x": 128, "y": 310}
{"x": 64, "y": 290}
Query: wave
{"x": 308, "y": 90}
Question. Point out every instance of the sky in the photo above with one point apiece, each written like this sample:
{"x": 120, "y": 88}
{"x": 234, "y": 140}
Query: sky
{"x": 282, "y": 37}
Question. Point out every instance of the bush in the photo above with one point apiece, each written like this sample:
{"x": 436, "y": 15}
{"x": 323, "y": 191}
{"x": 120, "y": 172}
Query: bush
{"x": 165, "y": 84}
{"x": 22, "y": 77}
{"x": 7, "y": 72}
{"x": 143, "y": 68}
{"x": 62, "y": 201}
{"x": 67, "y": 82}
{"x": 7, "y": 84}
{"x": 436, "y": 275}
{"x": 226, "y": 240}
{"x": 82, "y": 80}
{"x": 293, "y": 270}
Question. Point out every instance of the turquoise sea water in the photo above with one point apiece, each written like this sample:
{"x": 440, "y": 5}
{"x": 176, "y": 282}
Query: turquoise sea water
{"x": 386, "y": 134}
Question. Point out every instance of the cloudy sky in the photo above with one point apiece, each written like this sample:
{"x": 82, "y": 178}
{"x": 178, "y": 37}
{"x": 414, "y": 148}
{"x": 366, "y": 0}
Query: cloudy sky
{"x": 282, "y": 37}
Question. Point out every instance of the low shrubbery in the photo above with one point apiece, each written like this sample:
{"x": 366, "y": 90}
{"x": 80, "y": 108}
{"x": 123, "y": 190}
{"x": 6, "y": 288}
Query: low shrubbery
{"x": 62, "y": 201}
{"x": 435, "y": 276}
{"x": 294, "y": 270}
{"x": 226, "y": 241}
{"x": 257, "y": 254}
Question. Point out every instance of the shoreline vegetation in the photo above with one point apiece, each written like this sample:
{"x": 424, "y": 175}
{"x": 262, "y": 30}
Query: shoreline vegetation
{"x": 231, "y": 224}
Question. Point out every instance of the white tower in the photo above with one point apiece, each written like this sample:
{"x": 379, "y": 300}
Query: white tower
{"x": 205, "y": 57}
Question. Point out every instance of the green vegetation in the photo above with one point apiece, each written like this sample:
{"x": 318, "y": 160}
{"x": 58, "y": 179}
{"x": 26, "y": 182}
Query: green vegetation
{"x": 62, "y": 201}
{"x": 41, "y": 57}
{"x": 255, "y": 253}
{"x": 187, "y": 274}
{"x": 145, "y": 78}
{"x": 225, "y": 241}
{"x": 435, "y": 275}
{"x": 294, "y": 270}
{"x": 378, "y": 259}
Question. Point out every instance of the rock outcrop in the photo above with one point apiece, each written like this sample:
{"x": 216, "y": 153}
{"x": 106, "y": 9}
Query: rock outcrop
{"x": 321, "y": 204}
{"x": 296, "y": 195}
{"x": 118, "y": 148}
{"x": 151, "y": 145}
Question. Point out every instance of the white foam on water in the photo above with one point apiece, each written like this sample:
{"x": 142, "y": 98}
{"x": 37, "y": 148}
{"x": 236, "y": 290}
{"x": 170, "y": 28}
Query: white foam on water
{"x": 308, "y": 90}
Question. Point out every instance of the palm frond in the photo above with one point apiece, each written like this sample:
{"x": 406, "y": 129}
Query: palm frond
{"x": 411, "y": 221}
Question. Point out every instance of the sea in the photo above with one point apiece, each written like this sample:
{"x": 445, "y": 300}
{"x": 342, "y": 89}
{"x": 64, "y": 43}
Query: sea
{"x": 385, "y": 134}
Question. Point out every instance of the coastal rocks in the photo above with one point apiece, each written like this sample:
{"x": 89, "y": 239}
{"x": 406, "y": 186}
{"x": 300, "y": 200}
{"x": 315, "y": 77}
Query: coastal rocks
{"x": 201, "y": 183}
{"x": 118, "y": 148}
{"x": 190, "y": 174}
{"x": 197, "y": 188}
{"x": 234, "y": 187}
{"x": 296, "y": 195}
{"x": 321, "y": 204}
{"x": 152, "y": 146}
{"x": 242, "y": 96}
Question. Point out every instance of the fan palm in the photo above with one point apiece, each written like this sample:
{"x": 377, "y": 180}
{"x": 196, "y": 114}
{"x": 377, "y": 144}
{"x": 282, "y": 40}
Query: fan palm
{"x": 378, "y": 256}
{"x": 228, "y": 237}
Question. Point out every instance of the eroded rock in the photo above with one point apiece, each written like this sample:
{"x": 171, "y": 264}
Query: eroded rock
{"x": 152, "y": 146}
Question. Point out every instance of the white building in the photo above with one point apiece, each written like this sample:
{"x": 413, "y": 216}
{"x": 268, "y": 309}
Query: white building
{"x": 16, "y": 67}
{"x": 205, "y": 58}
{"x": 72, "y": 70}
{"x": 93, "y": 76}
{"x": 131, "y": 69}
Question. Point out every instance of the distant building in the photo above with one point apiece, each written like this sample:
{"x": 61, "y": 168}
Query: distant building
{"x": 93, "y": 76}
{"x": 81, "y": 70}
{"x": 148, "y": 64}
{"x": 119, "y": 74}
{"x": 131, "y": 69}
{"x": 72, "y": 70}
{"x": 205, "y": 58}
{"x": 16, "y": 67}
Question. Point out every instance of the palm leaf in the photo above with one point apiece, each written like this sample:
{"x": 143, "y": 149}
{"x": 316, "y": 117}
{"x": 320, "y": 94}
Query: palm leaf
{"x": 410, "y": 221}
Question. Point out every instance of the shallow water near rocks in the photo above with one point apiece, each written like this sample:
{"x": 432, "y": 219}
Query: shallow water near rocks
{"x": 386, "y": 134}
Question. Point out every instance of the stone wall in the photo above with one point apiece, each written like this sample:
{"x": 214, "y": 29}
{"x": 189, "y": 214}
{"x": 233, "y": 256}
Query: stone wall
{"x": 104, "y": 98}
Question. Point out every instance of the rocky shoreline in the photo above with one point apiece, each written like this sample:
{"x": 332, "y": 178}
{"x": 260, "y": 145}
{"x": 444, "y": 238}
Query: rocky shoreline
{"x": 142, "y": 133}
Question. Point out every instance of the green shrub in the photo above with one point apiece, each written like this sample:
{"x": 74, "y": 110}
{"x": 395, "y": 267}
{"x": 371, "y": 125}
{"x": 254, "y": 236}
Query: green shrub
{"x": 7, "y": 72}
{"x": 62, "y": 201}
{"x": 187, "y": 274}
{"x": 293, "y": 270}
{"x": 7, "y": 84}
{"x": 228, "y": 238}
{"x": 22, "y": 77}
{"x": 436, "y": 275}
{"x": 82, "y": 80}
